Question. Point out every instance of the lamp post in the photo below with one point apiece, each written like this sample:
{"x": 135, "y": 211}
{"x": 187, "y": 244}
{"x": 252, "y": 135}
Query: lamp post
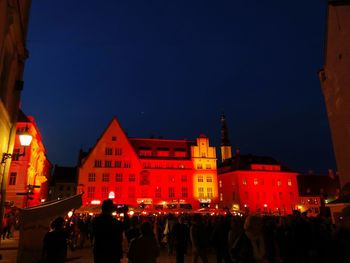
{"x": 25, "y": 139}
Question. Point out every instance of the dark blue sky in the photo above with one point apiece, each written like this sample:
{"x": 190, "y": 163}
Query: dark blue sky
{"x": 168, "y": 68}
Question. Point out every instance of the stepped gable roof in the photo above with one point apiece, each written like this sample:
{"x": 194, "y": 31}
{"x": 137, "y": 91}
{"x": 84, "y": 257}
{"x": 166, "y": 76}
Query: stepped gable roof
{"x": 64, "y": 174}
{"x": 155, "y": 145}
{"x": 244, "y": 162}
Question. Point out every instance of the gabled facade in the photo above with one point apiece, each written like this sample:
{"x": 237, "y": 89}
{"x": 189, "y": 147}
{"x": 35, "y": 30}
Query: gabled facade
{"x": 257, "y": 184}
{"x": 154, "y": 172}
{"x": 32, "y": 169}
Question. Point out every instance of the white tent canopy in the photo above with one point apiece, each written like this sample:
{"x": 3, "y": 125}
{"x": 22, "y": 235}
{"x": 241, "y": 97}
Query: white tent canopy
{"x": 34, "y": 224}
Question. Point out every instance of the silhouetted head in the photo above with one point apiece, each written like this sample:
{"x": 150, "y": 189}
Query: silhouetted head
{"x": 146, "y": 229}
{"x": 57, "y": 223}
{"x": 107, "y": 206}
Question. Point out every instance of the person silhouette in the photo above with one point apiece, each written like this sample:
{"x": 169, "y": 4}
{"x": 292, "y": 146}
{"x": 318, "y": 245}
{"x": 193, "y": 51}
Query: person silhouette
{"x": 107, "y": 236}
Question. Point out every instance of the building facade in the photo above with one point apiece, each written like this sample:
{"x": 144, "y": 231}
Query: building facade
{"x": 63, "y": 182}
{"x": 257, "y": 184}
{"x": 29, "y": 174}
{"x": 335, "y": 79}
{"x": 153, "y": 172}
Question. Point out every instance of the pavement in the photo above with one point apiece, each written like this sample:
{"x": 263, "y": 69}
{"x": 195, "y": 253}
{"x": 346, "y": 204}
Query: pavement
{"x": 9, "y": 247}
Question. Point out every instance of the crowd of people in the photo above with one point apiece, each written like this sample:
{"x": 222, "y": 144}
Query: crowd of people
{"x": 231, "y": 239}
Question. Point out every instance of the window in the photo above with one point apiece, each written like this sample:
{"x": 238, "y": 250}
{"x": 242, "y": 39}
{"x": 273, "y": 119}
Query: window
{"x": 200, "y": 192}
{"x": 210, "y": 192}
{"x": 132, "y": 178}
{"x": 104, "y": 192}
{"x": 144, "y": 178}
{"x": 200, "y": 178}
{"x": 221, "y": 197}
{"x": 15, "y": 155}
{"x": 91, "y": 177}
{"x": 108, "y": 151}
{"x": 118, "y": 151}
{"x": 171, "y": 179}
{"x": 203, "y": 155}
{"x": 208, "y": 166}
{"x": 118, "y": 192}
{"x": 199, "y": 166}
{"x": 127, "y": 164}
{"x": 119, "y": 177}
{"x": 13, "y": 177}
{"x": 131, "y": 192}
{"x": 108, "y": 163}
{"x": 279, "y": 183}
{"x": 209, "y": 179}
{"x": 171, "y": 192}
{"x": 181, "y": 166}
{"x": 98, "y": 163}
{"x": 91, "y": 192}
{"x": 184, "y": 178}
{"x": 118, "y": 164}
{"x": 158, "y": 192}
{"x": 220, "y": 183}
{"x": 114, "y": 138}
{"x": 184, "y": 192}
{"x": 105, "y": 177}
{"x": 289, "y": 182}
{"x": 255, "y": 181}
{"x": 244, "y": 181}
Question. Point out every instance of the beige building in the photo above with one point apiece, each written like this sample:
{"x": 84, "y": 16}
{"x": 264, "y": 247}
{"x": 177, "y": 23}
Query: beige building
{"x": 335, "y": 81}
{"x": 13, "y": 53}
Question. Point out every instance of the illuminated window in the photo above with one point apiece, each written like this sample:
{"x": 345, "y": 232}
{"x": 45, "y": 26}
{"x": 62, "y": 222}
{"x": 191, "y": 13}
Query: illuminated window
{"x": 127, "y": 164}
{"x": 171, "y": 192}
{"x": 171, "y": 178}
{"x": 289, "y": 182}
{"x": 118, "y": 192}
{"x": 119, "y": 177}
{"x": 13, "y": 177}
{"x": 204, "y": 155}
{"x": 132, "y": 178}
{"x": 91, "y": 192}
{"x": 220, "y": 183}
{"x": 279, "y": 183}
{"x": 210, "y": 192}
{"x": 108, "y": 163}
{"x": 209, "y": 179}
{"x": 255, "y": 181}
{"x": 131, "y": 192}
{"x": 104, "y": 192}
{"x": 91, "y": 177}
{"x": 114, "y": 138}
{"x": 158, "y": 192}
{"x": 199, "y": 166}
{"x": 181, "y": 166}
{"x": 105, "y": 177}
{"x": 200, "y": 179}
{"x": 184, "y": 192}
{"x": 108, "y": 151}
{"x": 208, "y": 166}
{"x": 98, "y": 163}
{"x": 184, "y": 178}
{"x": 221, "y": 197}
{"x": 201, "y": 192}
{"x": 244, "y": 181}
{"x": 118, "y": 151}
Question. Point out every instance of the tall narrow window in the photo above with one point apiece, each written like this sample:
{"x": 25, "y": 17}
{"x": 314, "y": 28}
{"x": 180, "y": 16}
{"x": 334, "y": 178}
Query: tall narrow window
{"x": 118, "y": 192}
{"x": 244, "y": 181}
{"x": 255, "y": 181}
{"x": 184, "y": 192}
{"x": 117, "y": 164}
{"x": 199, "y": 166}
{"x": 98, "y": 163}
{"x": 210, "y": 192}
{"x": 119, "y": 177}
{"x": 200, "y": 192}
{"x": 118, "y": 151}
{"x": 104, "y": 192}
{"x": 108, "y": 163}
{"x": 184, "y": 178}
{"x": 105, "y": 177}
{"x": 108, "y": 151}
{"x": 289, "y": 182}
{"x": 171, "y": 192}
{"x": 209, "y": 179}
{"x": 127, "y": 164}
{"x": 132, "y": 178}
{"x": 158, "y": 192}
{"x": 279, "y": 183}
{"x": 91, "y": 192}
{"x": 200, "y": 178}
{"x": 13, "y": 177}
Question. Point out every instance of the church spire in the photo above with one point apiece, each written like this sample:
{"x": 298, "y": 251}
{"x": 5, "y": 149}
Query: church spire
{"x": 226, "y": 152}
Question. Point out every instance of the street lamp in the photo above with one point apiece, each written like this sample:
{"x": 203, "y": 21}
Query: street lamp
{"x": 25, "y": 139}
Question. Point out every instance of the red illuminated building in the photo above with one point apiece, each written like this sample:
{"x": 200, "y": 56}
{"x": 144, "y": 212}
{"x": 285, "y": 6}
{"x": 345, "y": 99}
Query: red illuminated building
{"x": 254, "y": 184}
{"x": 154, "y": 172}
{"x": 28, "y": 177}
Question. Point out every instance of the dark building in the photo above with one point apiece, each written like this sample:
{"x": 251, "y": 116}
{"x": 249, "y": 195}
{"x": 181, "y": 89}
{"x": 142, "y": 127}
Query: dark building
{"x": 63, "y": 183}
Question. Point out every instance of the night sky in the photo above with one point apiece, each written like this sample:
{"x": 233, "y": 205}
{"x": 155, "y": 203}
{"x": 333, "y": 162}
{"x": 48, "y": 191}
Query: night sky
{"x": 169, "y": 68}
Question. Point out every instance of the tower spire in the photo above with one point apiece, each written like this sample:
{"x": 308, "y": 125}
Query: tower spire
{"x": 226, "y": 152}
